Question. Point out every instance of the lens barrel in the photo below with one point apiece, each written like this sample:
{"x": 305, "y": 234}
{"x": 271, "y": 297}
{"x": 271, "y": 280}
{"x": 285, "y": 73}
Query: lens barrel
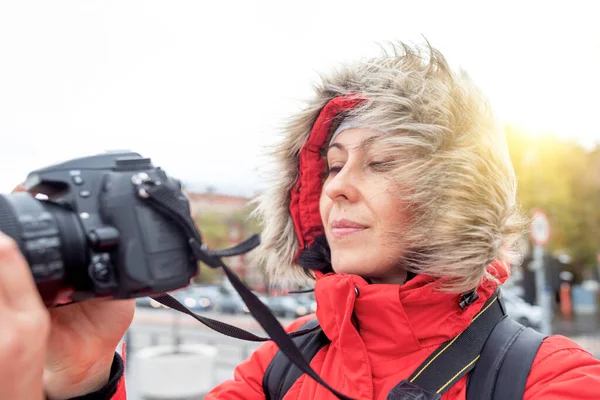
{"x": 51, "y": 239}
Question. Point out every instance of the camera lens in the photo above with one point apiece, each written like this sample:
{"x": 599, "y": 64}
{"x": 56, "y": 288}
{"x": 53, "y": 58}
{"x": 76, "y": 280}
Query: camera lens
{"x": 51, "y": 239}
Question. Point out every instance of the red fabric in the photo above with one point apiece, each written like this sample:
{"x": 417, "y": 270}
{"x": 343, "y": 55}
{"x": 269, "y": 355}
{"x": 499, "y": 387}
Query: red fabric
{"x": 304, "y": 202}
{"x": 121, "y": 393}
{"x": 400, "y": 326}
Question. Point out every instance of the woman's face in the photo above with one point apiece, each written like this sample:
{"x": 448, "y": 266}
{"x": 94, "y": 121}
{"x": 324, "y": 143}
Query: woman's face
{"x": 363, "y": 219}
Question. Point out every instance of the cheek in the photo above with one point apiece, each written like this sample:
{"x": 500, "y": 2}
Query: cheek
{"x": 324, "y": 208}
{"x": 392, "y": 219}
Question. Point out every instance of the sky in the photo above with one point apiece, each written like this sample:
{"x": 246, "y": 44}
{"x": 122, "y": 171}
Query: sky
{"x": 202, "y": 88}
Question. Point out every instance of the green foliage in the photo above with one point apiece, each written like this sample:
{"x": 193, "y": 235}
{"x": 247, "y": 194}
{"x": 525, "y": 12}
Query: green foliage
{"x": 561, "y": 178}
{"x": 216, "y": 228}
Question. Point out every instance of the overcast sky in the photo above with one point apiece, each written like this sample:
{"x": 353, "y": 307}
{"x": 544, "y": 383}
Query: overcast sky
{"x": 201, "y": 87}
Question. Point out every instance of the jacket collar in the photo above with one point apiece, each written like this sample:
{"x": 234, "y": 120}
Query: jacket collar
{"x": 393, "y": 320}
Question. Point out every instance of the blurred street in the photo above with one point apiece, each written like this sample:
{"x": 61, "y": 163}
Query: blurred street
{"x": 160, "y": 326}
{"x": 582, "y": 329}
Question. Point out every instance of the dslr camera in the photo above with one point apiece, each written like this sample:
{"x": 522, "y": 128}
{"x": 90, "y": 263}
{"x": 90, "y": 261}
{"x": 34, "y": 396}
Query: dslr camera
{"x": 87, "y": 229}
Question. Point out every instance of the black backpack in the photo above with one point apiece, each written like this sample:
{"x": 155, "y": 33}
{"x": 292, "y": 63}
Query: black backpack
{"x": 497, "y": 350}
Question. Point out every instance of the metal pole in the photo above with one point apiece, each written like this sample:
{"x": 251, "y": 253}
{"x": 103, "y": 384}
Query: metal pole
{"x": 176, "y": 331}
{"x": 542, "y": 290}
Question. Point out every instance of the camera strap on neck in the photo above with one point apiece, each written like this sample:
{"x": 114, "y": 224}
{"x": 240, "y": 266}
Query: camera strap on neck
{"x": 496, "y": 350}
{"x": 169, "y": 202}
{"x": 454, "y": 358}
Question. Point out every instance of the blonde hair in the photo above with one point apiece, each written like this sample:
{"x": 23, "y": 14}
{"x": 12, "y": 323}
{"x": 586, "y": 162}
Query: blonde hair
{"x": 444, "y": 150}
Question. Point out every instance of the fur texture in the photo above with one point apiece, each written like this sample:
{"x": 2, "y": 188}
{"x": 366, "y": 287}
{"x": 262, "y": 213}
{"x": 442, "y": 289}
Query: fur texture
{"x": 444, "y": 153}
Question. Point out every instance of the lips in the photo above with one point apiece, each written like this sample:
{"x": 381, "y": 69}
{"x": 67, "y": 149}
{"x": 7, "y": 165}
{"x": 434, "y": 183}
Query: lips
{"x": 343, "y": 227}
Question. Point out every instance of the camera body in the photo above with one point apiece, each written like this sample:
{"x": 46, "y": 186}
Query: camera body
{"x": 90, "y": 234}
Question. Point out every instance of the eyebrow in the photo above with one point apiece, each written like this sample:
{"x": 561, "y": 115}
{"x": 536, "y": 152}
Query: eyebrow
{"x": 364, "y": 144}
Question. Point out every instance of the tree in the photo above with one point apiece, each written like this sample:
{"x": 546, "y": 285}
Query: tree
{"x": 216, "y": 229}
{"x": 560, "y": 177}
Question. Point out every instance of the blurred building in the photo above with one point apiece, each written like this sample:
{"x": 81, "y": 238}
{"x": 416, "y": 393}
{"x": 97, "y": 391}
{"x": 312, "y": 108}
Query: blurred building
{"x": 229, "y": 212}
{"x": 210, "y": 202}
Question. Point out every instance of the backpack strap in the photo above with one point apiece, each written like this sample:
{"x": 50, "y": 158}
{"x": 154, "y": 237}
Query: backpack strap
{"x": 501, "y": 349}
{"x": 453, "y": 359}
{"x": 281, "y": 373}
{"x": 502, "y": 370}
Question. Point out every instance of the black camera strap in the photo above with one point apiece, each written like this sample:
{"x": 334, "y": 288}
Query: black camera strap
{"x": 221, "y": 327}
{"x": 169, "y": 202}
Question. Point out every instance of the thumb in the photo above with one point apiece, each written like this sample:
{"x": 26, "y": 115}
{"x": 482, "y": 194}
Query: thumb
{"x": 19, "y": 188}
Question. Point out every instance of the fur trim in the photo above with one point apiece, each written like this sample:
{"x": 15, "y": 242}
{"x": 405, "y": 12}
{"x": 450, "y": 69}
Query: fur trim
{"x": 443, "y": 138}
{"x": 279, "y": 243}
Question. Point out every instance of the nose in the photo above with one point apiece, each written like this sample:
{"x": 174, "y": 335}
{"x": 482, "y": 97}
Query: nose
{"x": 343, "y": 186}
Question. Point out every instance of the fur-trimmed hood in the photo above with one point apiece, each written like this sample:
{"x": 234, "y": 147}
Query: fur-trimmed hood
{"x": 282, "y": 239}
{"x": 395, "y": 93}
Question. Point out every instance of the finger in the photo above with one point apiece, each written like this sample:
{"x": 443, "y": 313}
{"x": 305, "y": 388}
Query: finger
{"x": 16, "y": 282}
{"x": 20, "y": 188}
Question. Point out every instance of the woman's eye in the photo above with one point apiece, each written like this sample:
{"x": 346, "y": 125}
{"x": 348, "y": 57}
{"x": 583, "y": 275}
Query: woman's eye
{"x": 380, "y": 166}
{"x": 332, "y": 170}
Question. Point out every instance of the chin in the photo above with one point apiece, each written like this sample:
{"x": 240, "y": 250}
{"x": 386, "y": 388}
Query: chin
{"x": 355, "y": 267}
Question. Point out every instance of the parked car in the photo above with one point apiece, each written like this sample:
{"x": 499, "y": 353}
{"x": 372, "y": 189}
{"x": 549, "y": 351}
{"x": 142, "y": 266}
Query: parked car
{"x": 309, "y": 302}
{"x": 287, "y": 306}
{"x": 514, "y": 288}
{"x": 205, "y": 295}
{"x": 521, "y": 311}
{"x": 231, "y": 303}
{"x": 195, "y": 298}
{"x": 143, "y": 302}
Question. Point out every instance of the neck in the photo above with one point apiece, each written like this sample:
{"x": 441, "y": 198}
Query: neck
{"x": 398, "y": 277}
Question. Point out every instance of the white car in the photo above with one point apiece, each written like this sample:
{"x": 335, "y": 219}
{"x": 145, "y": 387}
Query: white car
{"x": 521, "y": 311}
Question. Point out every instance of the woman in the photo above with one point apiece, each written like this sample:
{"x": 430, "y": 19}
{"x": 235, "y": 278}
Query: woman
{"x": 394, "y": 190}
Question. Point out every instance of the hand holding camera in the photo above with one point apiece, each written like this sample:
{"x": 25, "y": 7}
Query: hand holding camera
{"x": 24, "y": 329}
{"x": 63, "y": 352}
{"x": 60, "y": 352}
{"x": 81, "y": 345}
{"x": 66, "y": 249}
{"x": 106, "y": 227}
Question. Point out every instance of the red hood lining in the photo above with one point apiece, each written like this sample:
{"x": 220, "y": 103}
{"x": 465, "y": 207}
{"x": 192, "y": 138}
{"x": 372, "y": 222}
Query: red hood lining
{"x": 304, "y": 196}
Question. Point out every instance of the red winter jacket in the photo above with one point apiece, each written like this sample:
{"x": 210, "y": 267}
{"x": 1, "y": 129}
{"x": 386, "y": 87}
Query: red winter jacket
{"x": 398, "y": 328}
